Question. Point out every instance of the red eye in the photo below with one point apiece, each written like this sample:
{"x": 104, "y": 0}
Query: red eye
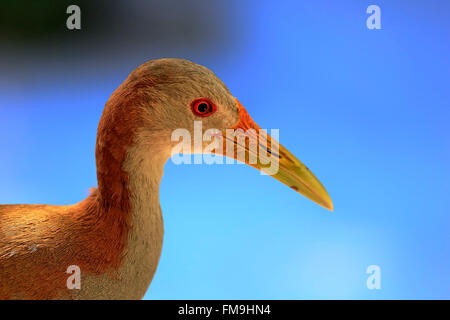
{"x": 203, "y": 107}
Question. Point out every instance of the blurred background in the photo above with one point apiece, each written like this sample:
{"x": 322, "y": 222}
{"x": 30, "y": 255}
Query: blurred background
{"x": 367, "y": 110}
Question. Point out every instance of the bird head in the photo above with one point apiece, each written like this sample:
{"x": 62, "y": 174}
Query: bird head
{"x": 175, "y": 96}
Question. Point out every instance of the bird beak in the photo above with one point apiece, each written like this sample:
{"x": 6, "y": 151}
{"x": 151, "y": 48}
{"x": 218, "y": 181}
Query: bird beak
{"x": 261, "y": 151}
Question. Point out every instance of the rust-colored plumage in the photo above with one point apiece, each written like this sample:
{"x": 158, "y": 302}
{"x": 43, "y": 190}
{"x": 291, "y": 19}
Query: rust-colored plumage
{"x": 39, "y": 242}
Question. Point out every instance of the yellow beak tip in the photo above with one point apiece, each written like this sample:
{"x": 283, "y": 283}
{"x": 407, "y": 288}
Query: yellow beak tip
{"x": 328, "y": 204}
{"x": 325, "y": 202}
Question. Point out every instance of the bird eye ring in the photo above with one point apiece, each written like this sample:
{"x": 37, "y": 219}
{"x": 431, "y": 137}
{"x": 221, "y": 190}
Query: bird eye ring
{"x": 203, "y": 107}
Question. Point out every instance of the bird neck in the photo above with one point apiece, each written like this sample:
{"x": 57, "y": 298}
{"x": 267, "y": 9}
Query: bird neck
{"x": 129, "y": 171}
{"x": 130, "y": 192}
{"x": 145, "y": 238}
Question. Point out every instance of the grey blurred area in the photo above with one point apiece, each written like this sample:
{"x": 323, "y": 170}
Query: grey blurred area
{"x": 34, "y": 33}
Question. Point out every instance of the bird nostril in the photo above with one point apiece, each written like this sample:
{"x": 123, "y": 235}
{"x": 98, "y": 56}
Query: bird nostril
{"x": 269, "y": 151}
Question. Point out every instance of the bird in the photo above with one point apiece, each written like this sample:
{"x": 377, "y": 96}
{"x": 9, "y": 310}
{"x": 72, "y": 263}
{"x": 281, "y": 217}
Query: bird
{"x": 114, "y": 236}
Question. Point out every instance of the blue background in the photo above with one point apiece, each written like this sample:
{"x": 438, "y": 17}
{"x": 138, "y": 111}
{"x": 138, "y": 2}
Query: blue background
{"x": 366, "y": 110}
